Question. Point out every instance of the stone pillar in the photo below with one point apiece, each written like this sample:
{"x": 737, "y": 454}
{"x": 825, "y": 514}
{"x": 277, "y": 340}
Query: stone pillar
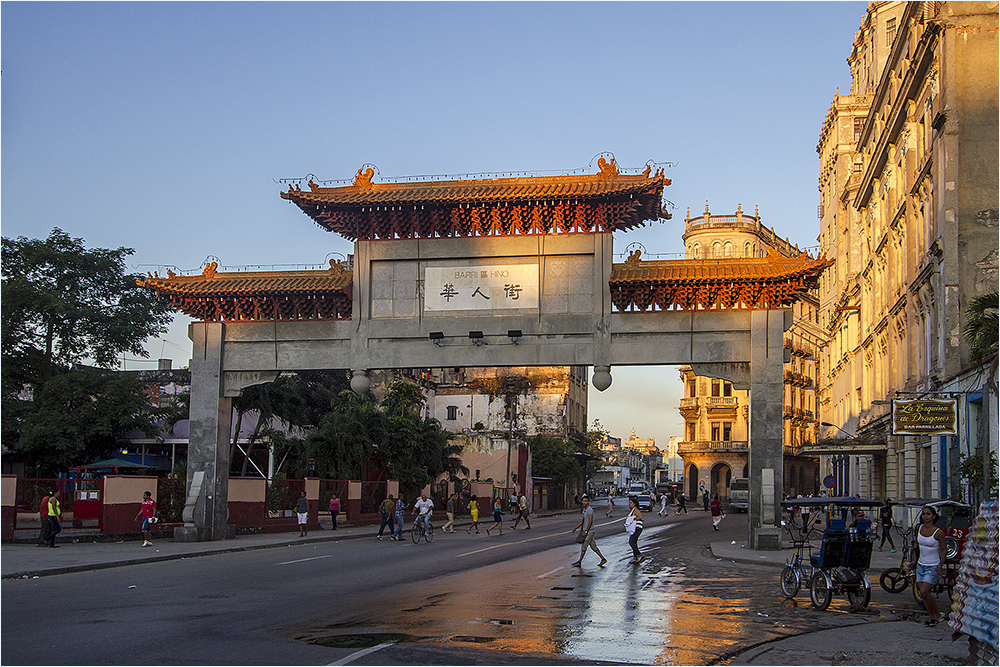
{"x": 352, "y": 508}
{"x": 206, "y": 509}
{"x": 767, "y": 357}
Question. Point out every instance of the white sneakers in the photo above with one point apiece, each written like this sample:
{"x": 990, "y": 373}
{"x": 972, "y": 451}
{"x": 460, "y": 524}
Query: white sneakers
{"x": 147, "y": 543}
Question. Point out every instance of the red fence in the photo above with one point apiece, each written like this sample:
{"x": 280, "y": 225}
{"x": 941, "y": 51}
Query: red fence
{"x": 268, "y": 507}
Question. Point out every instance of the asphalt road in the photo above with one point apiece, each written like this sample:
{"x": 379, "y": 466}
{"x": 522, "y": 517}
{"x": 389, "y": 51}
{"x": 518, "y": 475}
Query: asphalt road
{"x": 463, "y": 599}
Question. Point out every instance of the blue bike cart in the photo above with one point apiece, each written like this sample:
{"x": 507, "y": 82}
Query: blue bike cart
{"x": 845, "y": 553}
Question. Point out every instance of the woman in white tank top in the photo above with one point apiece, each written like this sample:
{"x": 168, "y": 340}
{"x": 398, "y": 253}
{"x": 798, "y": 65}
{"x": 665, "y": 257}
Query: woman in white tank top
{"x": 929, "y": 545}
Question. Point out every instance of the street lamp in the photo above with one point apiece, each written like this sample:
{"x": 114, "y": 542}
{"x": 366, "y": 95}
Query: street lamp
{"x": 836, "y": 427}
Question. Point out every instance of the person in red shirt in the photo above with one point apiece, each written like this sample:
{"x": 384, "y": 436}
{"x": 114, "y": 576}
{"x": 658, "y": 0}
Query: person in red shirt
{"x": 147, "y": 512}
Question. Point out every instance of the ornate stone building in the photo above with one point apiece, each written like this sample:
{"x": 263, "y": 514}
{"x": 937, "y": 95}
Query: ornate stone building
{"x": 716, "y": 443}
{"x": 908, "y": 193}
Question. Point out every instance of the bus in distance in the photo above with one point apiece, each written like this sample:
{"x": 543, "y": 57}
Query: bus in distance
{"x": 739, "y": 494}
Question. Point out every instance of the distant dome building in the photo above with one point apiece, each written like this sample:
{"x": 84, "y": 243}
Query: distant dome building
{"x": 730, "y": 236}
{"x": 716, "y": 442}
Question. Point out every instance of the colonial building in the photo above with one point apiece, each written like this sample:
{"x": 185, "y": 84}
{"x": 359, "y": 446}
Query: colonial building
{"x": 488, "y": 408}
{"x": 908, "y": 194}
{"x": 716, "y": 414}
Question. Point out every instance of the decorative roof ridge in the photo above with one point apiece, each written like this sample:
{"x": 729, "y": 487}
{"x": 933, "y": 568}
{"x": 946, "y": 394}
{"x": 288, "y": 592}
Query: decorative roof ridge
{"x": 772, "y": 257}
{"x": 608, "y": 171}
{"x": 209, "y": 272}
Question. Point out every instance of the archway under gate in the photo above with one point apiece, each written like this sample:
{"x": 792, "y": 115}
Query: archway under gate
{"x": 492, "y": 276}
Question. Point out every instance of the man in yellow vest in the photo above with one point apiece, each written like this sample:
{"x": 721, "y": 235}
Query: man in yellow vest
{"x": 55, "y": 514}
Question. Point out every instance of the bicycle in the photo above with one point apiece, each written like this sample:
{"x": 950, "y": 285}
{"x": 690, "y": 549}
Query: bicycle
{"x": 896, "y": 579}
{"x": 418, "y": 531}
{"x": 798, "y": 570}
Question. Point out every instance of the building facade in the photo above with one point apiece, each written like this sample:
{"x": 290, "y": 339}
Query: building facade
{"x": 908, "y": 193}
{"x": 715, "y": 445}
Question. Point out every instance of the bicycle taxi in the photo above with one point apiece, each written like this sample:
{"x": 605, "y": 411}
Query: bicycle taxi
{"x": 844, "y": 555}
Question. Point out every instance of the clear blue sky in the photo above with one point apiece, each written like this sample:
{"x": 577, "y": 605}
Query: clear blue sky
{"x": 164, "y": 126}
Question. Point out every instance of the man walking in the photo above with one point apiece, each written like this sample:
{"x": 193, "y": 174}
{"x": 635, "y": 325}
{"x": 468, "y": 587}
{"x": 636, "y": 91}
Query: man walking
{"x": 400, "y": 518}
{"x": 681, "y": 503}
{"x": 449, "y": 510}
{"x": 663, "y": 505}
{"x": 387, "y": 507}
{"x": 586, "y": 525}
{"x": 522, "y": 506}
{"x": 55, "y": 515}
{"x": 147, "y": 512}
{"x": 302, "y": 511}
{"x": 43, "y": 518}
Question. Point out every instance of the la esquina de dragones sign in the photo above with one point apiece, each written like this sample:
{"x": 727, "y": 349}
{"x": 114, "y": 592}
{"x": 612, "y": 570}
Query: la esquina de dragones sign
{"x": 924, "y": 417}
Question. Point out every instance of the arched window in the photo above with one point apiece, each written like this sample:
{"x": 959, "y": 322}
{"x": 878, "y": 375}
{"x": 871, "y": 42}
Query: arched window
{"x": 747, "y": 249}
{"x": 729, "y": 249}
{"x": 716, "y": 249}
{"x": 696, "y": 251}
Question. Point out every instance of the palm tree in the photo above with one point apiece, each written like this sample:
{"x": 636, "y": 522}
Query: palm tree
{"x": 980, "y": 330}
{"x": 982, "y": 335}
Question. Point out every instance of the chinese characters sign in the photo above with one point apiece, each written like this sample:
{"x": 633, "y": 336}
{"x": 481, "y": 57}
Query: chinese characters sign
{"x": 924, "y": 417}
{"x": 493, "y": 287}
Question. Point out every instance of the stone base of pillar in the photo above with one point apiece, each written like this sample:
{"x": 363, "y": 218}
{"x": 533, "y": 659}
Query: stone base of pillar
{"x": 186, "y": 534}
{"x": 765, "y": 538}
{"x": 191, "y": 534}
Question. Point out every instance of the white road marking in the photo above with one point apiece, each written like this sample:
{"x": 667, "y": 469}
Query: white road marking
{"x": 550, "y": 572}
{"x": 357, "y": 654}
{"x": 303, "y": 560}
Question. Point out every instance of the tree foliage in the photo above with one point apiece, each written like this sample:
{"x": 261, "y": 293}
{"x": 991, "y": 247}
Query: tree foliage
{"x": 981, "y": 328}
{"x": 392, "y": 435}
{"x": 554, "y": 458}
{"x": 82, "y": 416}
{"x": 63, "y": 305}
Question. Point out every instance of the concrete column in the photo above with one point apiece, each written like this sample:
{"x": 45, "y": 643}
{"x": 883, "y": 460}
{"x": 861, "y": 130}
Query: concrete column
{"x": 206, "y": 510}
{"x": 766, "y": 426}
{"x": 352, "y": 508}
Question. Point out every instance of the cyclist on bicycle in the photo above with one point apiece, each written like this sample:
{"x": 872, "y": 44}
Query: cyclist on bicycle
{"x": 424, "y": 508}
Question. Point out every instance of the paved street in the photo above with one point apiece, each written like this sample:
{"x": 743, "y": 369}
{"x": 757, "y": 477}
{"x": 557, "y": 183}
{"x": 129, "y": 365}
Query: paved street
{"x": 463, "y": 599}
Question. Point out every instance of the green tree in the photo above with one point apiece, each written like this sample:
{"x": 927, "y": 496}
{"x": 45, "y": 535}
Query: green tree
{"x": 981, "y": 333}
{"x": 62, "y": 305}
{"x": 392, "y": 435}
{"x": 554, "y": 458}
{"x": 81, "y": 416}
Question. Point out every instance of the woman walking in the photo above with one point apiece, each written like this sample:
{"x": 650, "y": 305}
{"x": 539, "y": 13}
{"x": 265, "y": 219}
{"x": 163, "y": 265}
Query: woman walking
{"x": 885, "y": 518}
{"x": 497, "y": 517}
{"x": 633, "y": 526}
{"x": 929, "y": 546}
{"x": 474, "y": 511}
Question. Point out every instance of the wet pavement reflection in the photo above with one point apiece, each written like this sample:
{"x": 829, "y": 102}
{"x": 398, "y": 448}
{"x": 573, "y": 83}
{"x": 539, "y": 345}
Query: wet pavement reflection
{"x": 680, "y": 607}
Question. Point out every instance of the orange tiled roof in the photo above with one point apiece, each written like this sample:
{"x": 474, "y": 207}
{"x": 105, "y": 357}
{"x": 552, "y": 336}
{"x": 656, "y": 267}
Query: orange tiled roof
{"x": 697, "y": 284}
{"x": 263, "y": 295}
{"x": 601, "y": 202}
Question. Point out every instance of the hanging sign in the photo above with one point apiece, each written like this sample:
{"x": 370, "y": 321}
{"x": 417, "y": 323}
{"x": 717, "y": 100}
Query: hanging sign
{"x": 481, "y": 287}
{"x": 925, "y": 417}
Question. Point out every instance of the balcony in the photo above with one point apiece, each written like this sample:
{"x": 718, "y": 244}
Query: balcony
{"x": 709, "y": 446}
{"x": 721, "y": 406}
{"x": 689, "y": 408}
